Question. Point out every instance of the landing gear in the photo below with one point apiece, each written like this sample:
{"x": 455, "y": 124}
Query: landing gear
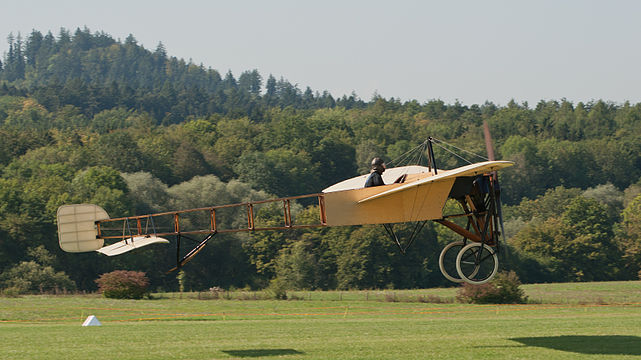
{"x": 471, "y": 263}
{"x": 477, "y": 263}
{"x": 447, "y": 261}
{"x": 474, "y": 260}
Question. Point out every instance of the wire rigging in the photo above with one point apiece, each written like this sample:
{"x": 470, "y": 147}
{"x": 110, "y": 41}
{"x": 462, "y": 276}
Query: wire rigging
{"x": 453, "y": 153}
{"x": 409, "y": 154}
{"x": 437, "y": 141}
{"x": 415, "y": 155}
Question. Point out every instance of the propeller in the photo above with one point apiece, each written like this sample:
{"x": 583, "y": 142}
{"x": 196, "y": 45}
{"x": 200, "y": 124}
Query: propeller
{"x": 495, "y": 179}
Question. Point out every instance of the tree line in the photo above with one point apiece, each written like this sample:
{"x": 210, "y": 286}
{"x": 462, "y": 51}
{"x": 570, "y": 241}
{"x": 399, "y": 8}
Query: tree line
{"x": 161, "y": 138}
{"x": 95, "y": 72}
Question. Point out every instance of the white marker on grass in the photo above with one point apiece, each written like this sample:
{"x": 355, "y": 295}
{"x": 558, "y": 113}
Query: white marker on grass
{"x": 92, "y": 320}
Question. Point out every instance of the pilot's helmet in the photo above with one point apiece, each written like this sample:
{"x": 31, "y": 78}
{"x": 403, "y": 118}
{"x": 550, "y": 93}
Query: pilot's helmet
{"x": 378, "y": 164}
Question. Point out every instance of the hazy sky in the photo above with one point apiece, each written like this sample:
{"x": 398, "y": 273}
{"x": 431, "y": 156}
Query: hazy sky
{"x": 470, "y": 51}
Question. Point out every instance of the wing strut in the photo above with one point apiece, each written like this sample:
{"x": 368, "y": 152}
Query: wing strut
{"x": 180, "y": 262}
{"x": 390, "y": 231}
{"x": 418, "y": 226}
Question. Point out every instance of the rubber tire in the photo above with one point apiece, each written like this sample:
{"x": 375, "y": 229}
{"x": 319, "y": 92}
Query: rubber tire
{"x": 471, "y": 278}
{"x": 441, "y": 261}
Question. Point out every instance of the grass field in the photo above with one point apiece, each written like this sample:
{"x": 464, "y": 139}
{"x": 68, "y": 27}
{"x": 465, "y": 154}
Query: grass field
{"x": 568, "y": 321}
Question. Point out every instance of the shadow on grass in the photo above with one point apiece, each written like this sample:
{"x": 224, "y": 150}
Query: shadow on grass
{"x": 261, "y": 352}
{"x": 587, "y": 344}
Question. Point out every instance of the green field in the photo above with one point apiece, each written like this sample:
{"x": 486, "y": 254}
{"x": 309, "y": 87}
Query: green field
{"x": 566, "y": 321}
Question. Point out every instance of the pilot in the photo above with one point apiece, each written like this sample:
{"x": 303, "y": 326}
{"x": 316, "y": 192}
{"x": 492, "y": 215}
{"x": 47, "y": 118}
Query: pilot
{"x": 375, "y": 178}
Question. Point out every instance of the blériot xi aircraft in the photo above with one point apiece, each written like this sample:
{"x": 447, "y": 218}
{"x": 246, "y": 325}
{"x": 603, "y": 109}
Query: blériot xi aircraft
{"x": 413, "y": 194}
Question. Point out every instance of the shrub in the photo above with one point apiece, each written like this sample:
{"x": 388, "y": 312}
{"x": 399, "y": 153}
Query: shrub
{"x": 278, "y": 289}
{"x": 122, "y": 284}
{"x": 29, "y": 277}
{"x": 503, "y": 289}
{"x": 391, "y": 298}
{"x": 10, "y": 292}
{"x": 215, "y": 292}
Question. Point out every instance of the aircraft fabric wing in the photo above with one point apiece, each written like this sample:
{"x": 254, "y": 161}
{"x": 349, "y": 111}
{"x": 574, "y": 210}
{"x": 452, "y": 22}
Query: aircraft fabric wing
{"x": 468, "y": 170}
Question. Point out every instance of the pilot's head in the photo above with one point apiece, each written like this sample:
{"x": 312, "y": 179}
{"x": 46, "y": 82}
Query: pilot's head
{"x": 378, "y": 165}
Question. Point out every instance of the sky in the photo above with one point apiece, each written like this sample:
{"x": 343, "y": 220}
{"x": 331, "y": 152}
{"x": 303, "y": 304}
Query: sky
{"x": 466, "y": 51}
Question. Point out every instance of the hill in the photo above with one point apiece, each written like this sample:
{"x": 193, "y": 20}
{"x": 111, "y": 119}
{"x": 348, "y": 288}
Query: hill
{"x": 96, "y": 72}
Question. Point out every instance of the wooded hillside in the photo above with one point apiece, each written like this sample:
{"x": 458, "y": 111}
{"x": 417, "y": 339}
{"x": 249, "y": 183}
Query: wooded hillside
{"x": 86, "y": 118}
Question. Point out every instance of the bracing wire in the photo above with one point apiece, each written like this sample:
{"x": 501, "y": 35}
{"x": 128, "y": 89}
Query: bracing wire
{"x": 416, "y": 157}
{"x": 421, "y": 153}
{"x": 416, "y": 153}
{"x": 406, "y": 155}
{"x": 459, "y": 149}
{"x": 453, "y": 153}
{"x": 410, "y": 157}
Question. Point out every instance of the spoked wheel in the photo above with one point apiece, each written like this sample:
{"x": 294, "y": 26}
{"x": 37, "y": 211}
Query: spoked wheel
{"x": 447, "y": 261}
{"x": 477, "y": 264}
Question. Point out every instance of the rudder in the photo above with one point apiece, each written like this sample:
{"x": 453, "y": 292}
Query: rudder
{"x": 77, "y": 230}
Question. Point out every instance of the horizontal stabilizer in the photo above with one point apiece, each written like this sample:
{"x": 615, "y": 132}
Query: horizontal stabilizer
{"x": 136, "y": 242}
{"x": 468, "y": 170}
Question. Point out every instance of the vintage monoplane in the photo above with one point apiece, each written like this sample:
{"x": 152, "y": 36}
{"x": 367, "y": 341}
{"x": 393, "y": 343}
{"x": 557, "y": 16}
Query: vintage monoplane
{"x": 413, "y": 194}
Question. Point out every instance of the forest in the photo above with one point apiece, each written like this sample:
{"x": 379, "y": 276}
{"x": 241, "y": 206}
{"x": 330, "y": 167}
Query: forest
{"x": 85, "y": 118}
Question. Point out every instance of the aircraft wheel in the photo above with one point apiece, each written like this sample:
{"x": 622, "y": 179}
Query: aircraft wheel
{"x": 447, "y": 261}
{"x": 477, "y": 265}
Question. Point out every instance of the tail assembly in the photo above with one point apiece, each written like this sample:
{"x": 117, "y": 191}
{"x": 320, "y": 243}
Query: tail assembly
{"x": 78, "y": 231}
